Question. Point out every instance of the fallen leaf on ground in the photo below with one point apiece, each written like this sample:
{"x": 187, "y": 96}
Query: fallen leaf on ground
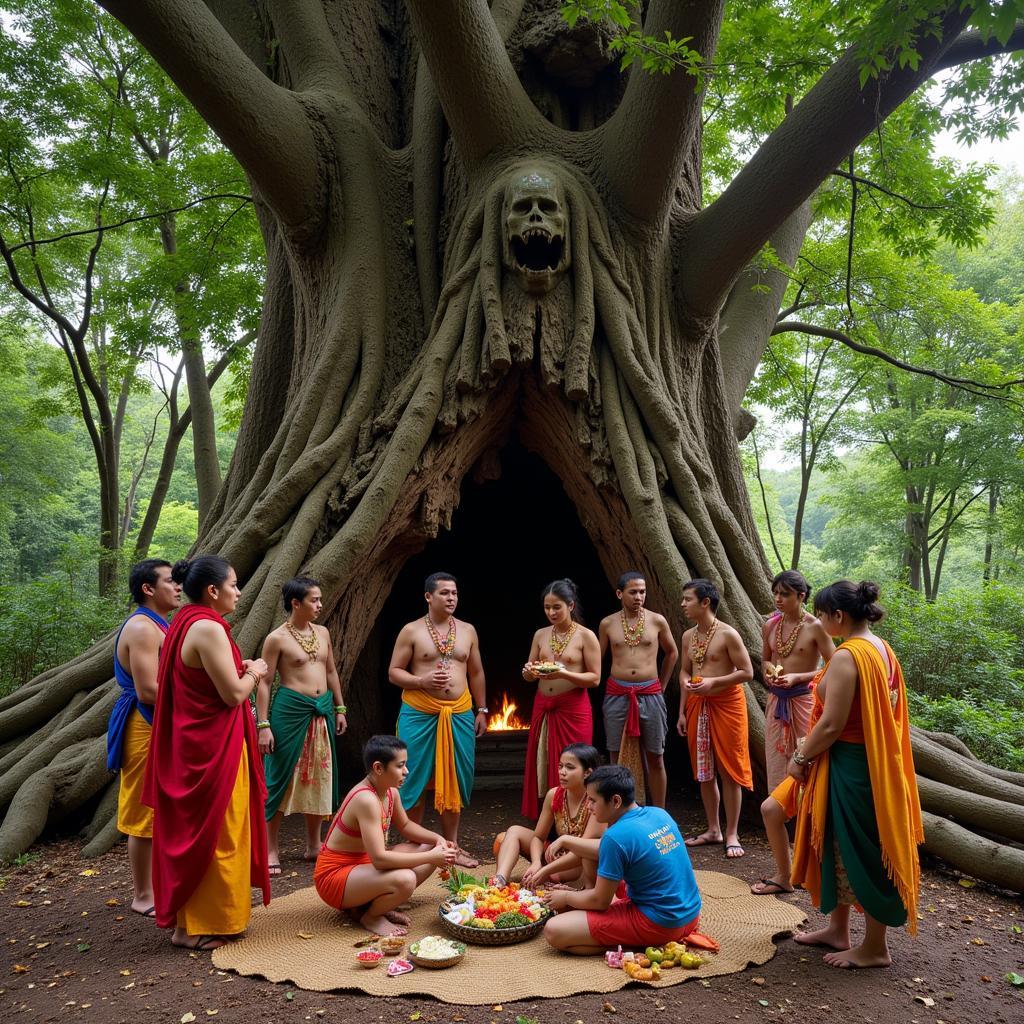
{"x": 415, "y": 1016}
{"x": 978, "y": 942}
{"x": 608, "y": 1008}
{"x": 20, "y": 969}
{"x": 924, "y": 1000}
{"x": 126, "y": 973}
{"x": 212, "y": 1013}
{"x": 41, "y": 945}
{"x": 497, "y": 1008}
{"x": 1015, "y": 979}
{"x": 187, "y": 1018}
{"x": 83, "y": 947}
{"x": 762, "y": 1002}
{"x": 305, "y": 935}
{"x": 966, "y": 883}
{"x": 22, "y": 903}
{"x": 88, "y": 872}
{"x": 757, "y": 981}
{"x": 113, "y": 903}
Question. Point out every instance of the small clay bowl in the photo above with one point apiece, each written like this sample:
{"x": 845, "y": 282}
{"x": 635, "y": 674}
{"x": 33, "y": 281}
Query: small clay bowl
{"x": 392, "y": 945}
{"x": 369, "y": 958}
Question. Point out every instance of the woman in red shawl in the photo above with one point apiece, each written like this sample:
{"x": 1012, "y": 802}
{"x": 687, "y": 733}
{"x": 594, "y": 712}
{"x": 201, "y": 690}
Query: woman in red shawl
{"x": 204, "y": 777}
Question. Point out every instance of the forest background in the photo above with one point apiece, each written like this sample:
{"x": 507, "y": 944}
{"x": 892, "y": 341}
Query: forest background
{"x": 124, "y": 362}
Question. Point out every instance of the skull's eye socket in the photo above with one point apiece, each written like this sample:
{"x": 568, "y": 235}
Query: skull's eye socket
{"x": 522, "y": 205}
{"x": 548, "y": 205}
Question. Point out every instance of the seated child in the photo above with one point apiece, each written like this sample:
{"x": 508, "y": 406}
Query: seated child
{"x": 641, "y": 847}
{"x": 355, "y": 870}
{"x": 566, "y": 811}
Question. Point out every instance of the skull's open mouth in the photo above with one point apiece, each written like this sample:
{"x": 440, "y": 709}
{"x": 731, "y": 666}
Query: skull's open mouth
{"x": 537, "y": 251}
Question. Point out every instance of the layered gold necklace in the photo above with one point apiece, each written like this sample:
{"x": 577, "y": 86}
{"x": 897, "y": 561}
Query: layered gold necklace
{"x": 783, "y": 650}
{"x": 445, "y": 647}
{"x": 309, "y": 642}
{"x": 699, "y": 647}
{"x": 558, "y": 643}
{"x": 632, "y": 635}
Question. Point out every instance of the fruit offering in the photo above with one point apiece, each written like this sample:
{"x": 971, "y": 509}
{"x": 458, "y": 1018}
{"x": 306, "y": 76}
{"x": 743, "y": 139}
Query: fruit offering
{"x": 544, "y": 668}
{"x": 506, "y": 906}
{"x": 638, "y": 973}
{"x": 369, "y": 957}
{"x": 399, "y": 966}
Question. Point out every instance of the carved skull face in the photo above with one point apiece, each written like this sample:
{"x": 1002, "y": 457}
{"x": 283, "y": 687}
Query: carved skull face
{"x": 536, "y": 239}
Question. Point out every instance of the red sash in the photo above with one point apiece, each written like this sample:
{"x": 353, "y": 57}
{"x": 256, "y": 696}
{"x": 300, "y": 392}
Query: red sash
{"x": 194, "y": 751}
{"x": 613, "y": 688}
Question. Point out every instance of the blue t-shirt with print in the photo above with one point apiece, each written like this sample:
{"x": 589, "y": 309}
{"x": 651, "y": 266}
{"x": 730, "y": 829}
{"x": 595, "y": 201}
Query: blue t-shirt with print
{"x": 644, "y": 848}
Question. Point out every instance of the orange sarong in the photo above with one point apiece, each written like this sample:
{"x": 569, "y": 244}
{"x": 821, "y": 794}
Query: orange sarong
{"x": 727, "y": 733}
{"x": 886, "y": 738}
{"x": 331, "y": 874}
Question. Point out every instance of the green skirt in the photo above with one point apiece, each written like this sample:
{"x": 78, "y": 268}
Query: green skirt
{"x": 851, "y": 826}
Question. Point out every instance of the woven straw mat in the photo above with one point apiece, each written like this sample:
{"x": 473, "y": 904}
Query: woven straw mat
{"x": 300, "y": 939}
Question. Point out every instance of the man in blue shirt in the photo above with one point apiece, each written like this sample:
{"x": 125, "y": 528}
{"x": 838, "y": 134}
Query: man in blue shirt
{"x": 642, "y": 847}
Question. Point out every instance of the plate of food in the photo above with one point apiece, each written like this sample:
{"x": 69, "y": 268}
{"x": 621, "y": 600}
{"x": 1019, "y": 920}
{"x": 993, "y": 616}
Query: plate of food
{"x": 546, "y": 668}
{"x": 435, "y": 952}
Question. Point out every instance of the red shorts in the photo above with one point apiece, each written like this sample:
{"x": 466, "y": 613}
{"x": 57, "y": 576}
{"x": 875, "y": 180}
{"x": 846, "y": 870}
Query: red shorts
{"x": 624, "y": 924}
{"x": 331, "y": 874}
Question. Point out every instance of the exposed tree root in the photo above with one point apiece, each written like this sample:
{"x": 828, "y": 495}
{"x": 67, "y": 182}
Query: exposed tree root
{"x": 972, "y": 854}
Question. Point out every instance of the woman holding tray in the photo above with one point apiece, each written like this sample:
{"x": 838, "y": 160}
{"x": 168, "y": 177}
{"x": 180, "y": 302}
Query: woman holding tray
{"x": 565, "y": 661}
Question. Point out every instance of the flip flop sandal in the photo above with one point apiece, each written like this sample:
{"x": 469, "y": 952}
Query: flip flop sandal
{"x": 735, "y": 846}
{"x": 769, "y": 888}
{"x": 146, "y": 913}
{"x": 274, "y": 870}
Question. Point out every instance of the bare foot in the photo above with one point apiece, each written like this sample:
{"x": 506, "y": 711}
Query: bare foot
{"x": 397, "y": 917}
{"x": 381, "y": 926}
{"x": 835, "y": 938}
{"x": 858, "y": 958}
{"x": 465, "y": 860}
{"x": 704, "y": 839}
{"x": 733, "y": 851}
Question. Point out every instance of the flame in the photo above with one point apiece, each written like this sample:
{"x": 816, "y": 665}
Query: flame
{"x": 506, "y": 720}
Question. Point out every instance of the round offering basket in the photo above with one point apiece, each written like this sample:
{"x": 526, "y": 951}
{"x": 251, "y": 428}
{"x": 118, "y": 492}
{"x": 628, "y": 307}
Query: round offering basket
{"x": 490, "y": 936}
{"x": 436, "y": 965}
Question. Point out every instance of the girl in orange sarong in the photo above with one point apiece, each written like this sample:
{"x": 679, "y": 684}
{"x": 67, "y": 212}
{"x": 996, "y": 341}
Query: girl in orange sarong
{"x": 858, "y": 818}
{"x": 355, "y": 870}
{"x": 565, "y": 811}
{"x": 204, "y": 777}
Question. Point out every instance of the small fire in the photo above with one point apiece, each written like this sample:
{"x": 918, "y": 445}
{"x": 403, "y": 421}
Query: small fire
{"x": 506, "y": 720}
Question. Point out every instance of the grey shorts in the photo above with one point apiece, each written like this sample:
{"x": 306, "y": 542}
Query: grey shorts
{"x": 653, "y": 720}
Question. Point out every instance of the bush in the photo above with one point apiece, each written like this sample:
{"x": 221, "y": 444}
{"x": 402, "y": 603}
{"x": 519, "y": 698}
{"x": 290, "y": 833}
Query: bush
{"x": 963, "y": 658}
{"x": 47, "y": 622}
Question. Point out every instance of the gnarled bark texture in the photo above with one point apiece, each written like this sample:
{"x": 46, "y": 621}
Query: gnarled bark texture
{"x": 407, "y": 330}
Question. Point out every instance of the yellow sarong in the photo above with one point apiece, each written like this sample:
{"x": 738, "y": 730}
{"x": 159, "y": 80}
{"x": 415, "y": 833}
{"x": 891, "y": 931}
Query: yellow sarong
{"x": 222, "y": 902}
{"x": 134, "y": 818}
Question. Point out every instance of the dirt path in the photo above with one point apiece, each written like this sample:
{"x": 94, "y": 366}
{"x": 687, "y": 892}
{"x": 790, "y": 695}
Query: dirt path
{"x": 74, "y": 951}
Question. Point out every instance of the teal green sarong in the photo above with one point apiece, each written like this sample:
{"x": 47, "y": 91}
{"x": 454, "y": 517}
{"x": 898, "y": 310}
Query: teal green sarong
{"x": 290, "y": 716}
{"x": 851, "y": 823}
{"x": 418, "y": 730}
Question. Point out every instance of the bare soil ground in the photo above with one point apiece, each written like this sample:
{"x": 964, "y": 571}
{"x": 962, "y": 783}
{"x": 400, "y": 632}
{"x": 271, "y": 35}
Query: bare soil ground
{"x": 74, "y": 951}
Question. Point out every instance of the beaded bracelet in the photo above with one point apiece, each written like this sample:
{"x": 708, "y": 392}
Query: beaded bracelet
{"x": 340, "y": 709}
{"x": 262, "y": 725}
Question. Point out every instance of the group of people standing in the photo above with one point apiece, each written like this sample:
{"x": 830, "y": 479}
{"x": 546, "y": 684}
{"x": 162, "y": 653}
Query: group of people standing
{"x": 195, "y": 792}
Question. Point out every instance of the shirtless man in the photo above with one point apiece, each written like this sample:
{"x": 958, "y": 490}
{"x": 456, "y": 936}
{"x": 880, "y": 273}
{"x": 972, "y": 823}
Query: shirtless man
{"x": 297, "y": 737}
{"x": 136, "y": 657}
{"x": 795, "y": 640}
{"x": 635, "y": 717}
{"x": 436, "y": 662}
{"x": 713, "y": 713}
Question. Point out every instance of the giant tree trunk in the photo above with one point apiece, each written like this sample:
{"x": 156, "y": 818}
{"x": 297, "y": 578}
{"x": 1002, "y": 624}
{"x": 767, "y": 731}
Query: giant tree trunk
{"x": 412, "y": 321}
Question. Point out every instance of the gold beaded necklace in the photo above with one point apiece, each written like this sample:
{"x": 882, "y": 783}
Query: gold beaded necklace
{"x": 699, "y": 648}
{"x": 632, "y": 635}
{"x": 573, "y": 825}
{"x": 445, "y": 647}
{"x": 558, "y": 643}
{"x": 309, "y": 642}
{"x": 783, "y": 650}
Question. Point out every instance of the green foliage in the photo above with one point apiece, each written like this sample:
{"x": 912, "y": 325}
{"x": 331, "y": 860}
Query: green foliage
{"x": 176, "y": 531}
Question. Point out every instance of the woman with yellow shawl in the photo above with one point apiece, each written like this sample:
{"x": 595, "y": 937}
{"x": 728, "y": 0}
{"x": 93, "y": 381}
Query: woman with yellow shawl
{"x": 859, "y": 819}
